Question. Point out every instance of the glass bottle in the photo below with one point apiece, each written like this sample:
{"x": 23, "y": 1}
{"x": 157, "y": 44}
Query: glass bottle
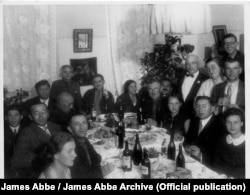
{"x": 180, "y": 160}
{"x": 93, "y": 113}
{"x": 127, "y": 158}
{"x": 145, "y": 165}
{"x": 120, "y": 133}
{"x": 137, "y": 151}
{"x": 105, "y": 104}
{"x": 171, "y": 148}
{"x": 121, "y": 112}
{"x": 141, "y": 119}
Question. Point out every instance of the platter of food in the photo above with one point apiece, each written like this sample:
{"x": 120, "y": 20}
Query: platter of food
{"x": 145, "y": 138}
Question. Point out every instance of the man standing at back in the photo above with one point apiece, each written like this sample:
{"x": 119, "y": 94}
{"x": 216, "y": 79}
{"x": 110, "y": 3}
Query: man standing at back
{"x": 31, "y": 142}
{"x": 190, "y": 84}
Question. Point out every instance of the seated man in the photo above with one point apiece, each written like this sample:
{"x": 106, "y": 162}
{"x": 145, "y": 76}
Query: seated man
{"x": 31, "y": 142}
{"x": 230, "y": 151}
{"x": 63, "y": 111}
{"x": 230, "y": 45}
{"x": 154, "y": 107}
{"x": 230, "y": 93}
{"x": 98, "y": 97}
{"x": 204, "y": 132}
{"x": 87, "y": 162}
{"x": 12, "y": 130}
{"x": 190, "y": 84}
{"x": 67, "y": 84}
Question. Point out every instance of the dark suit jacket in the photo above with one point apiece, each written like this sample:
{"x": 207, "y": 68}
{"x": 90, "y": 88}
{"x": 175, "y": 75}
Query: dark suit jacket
{"x": 127, "y": 104}
{"x": 219, "y": 91}
{"x": 82, "y": 168}
{"x": 89, "y": 98}
{"x": 71, "y": 87}
{"x": 187, "y": 107}
{"x": 10, "y": 140}
{"x": 29, "y": 144}
{"x": 207, "y": 139}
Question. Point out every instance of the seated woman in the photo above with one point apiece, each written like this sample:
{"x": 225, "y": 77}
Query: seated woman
{"x": 129, "y": 100}
{"x": 175, "y": 121}
{"x": 214, "y": 67}
{"x": 59, "y": 155}
{"x": 230, "y": 152}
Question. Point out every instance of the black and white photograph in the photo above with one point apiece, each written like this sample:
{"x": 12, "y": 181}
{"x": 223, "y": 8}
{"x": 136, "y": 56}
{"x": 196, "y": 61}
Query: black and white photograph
{"x": 145, "y": 90}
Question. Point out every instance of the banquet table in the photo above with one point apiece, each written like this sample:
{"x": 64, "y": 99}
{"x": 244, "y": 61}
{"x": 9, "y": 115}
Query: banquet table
{"x": 160, "y": 166}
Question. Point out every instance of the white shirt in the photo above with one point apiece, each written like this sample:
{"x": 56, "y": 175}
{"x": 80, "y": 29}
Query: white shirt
{"x": 237, "y": 141}
{"x": 46, "y": 102}
{"x": 15, "y": 128}
{"x": 234, "y": 87}
{"x": 204, "y": 122}
{"x": 206, "y": 88}
{"x": 45, "y": 129}
{"x": 187, "y": 84}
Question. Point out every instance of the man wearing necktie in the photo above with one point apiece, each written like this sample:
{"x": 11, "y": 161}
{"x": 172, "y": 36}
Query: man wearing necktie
{"x": 87, "y": 163}
{"x": 230, "y": 93}
{"x": 190, "y": 84}
{"x": 204, "y": 131}
{"x": 12, "y": 129}
{"x": 31, "y": 142}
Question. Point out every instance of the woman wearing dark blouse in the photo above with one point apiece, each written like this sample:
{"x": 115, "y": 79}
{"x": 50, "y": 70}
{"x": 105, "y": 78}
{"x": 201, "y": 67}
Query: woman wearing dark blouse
{"x": 129, "y": 100}
{"x": 230, "y": 152}
{"x": 174, "y": 120}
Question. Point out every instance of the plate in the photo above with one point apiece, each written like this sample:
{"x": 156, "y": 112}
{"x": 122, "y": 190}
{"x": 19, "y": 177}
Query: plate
{"x": 145, "y": 138}
{"x": 129, "y": 130}
{"x": 96, "y": 141}
{"x": 130, "y": 114}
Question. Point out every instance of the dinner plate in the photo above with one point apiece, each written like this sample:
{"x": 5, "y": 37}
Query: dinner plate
{"x": 130, "y": 114}
{"x": 96, "y": 141}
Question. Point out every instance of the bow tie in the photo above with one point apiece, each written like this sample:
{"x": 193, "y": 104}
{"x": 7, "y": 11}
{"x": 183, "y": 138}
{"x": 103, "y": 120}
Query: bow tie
{"x": 189, "y": 75}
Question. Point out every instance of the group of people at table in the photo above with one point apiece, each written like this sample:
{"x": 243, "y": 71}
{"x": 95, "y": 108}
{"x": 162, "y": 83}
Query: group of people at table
{"x": 45, "y": 137}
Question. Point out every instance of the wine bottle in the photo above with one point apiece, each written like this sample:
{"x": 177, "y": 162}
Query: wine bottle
{"x": 121, "y": 112}
{"x": 145, "y": 165}
{"x": 93, "y": 113}
{"x": 127, "y": 158}
{"x": 105, "y": 103}
{"x": 171, "y": 148}
{"x": 120, "y": 133}
{"x": 137, "y": 151}
{"x": 141, "y": 119}
{"x": 180, "y": 160}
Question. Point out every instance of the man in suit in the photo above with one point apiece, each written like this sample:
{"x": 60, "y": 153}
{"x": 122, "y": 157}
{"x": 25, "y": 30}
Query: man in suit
{"x": 98, "y": 97}
{"x": 154, "y": 106}
{"x": 87, "y": 164}
{"x": 31, "y": 142}
{"x": 190, "y": 84}
{"x": 43, "y": 96}
{"x": 230, "y": 93}
{"x": 230, "y": 45}
{"x": 66, "y": 84}
{"x": 63, "y": 111}
{"x": 204, "y": 132}
{"x": 12, "y": 130}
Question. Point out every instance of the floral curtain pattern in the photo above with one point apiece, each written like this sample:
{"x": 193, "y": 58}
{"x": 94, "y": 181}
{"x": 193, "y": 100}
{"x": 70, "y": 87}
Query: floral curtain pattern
{"x": 29, "y": 45}
{"x": 129, "y": 39}
{"x": 180, "y": 19}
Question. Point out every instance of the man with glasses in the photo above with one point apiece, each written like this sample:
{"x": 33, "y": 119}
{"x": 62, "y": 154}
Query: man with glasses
{"x": 230, "y": 45}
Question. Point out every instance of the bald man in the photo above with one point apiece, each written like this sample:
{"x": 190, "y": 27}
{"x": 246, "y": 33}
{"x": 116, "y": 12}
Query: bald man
{"x": 190, "y": 83}
{"x": 63, "y": 111}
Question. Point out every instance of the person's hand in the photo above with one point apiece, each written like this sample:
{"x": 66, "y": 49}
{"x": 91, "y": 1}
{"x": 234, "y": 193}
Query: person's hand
{"x": 151, "y": 122}
{"x": 187, "y": 149}
{"x": 195, "y": 151}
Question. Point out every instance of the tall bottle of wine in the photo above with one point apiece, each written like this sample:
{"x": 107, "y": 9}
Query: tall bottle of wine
{"x": 180, "y": 160}
{"x": 120, "y": 132}
{"x": 171, "y": 148}
{"x": 121, "y": 112}
{"x": 105, "y": 103}
{"x": 127, "y": 158}
{"x": 141, "y": 119}
{"x": 145, "y": 165}
{"x": 93, "y": 113}
{"x": 137, "y": 151}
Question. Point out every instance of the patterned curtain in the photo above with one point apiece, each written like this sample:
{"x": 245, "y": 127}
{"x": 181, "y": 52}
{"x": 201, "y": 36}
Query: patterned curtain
{"x": 29, "y": 45}
{"x": 180, "y": 19}
{"x": 129, "y": 39}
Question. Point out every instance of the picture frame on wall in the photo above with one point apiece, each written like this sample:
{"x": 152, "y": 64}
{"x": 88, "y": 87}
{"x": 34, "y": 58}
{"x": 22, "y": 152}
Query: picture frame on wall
{"x": 82, "y": 40}
{"x": 84, "y": 70}
{"x": 219, "y": 32}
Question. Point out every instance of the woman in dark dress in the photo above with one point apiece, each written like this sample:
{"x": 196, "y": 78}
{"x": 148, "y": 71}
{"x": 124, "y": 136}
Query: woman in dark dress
{"x": 230, "y": 151}
{"x": 129, "y": 100}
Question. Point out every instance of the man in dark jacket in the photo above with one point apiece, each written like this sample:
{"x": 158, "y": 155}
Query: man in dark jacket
{"x": 87, "y": 163}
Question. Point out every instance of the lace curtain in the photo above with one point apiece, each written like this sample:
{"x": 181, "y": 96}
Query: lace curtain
{"x": 29, "y": 45}
{"x": 180, "y": 19}
{"x": 129, "y": 39}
